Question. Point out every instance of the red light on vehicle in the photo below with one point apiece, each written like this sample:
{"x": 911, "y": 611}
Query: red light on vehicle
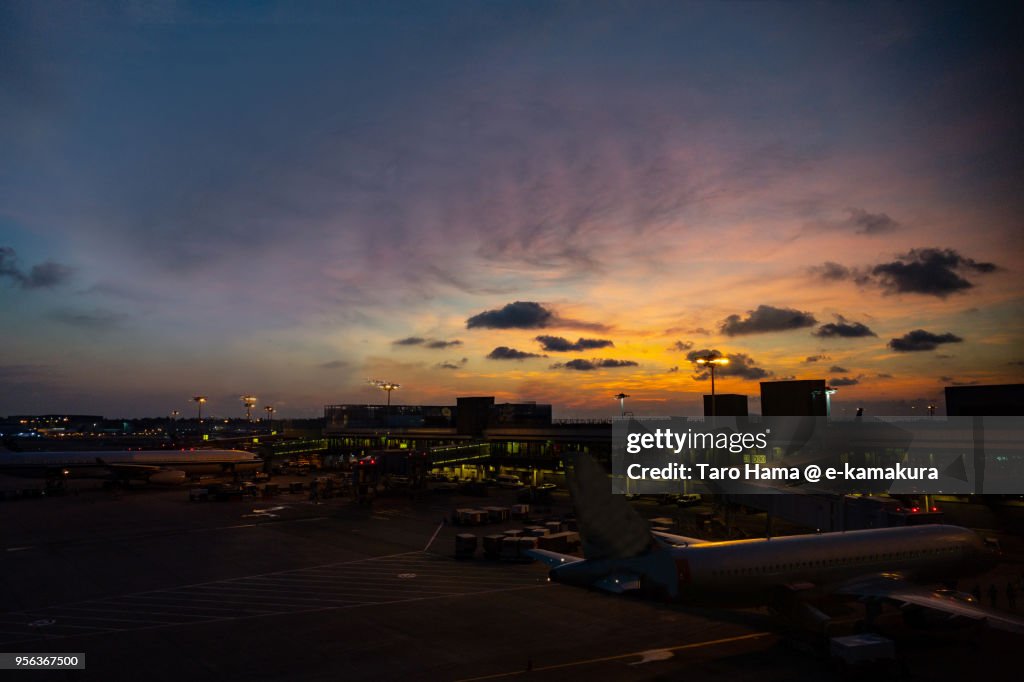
{"x": 899, "y": 509}
{"x": 934, "y": 509}
{"x": 915, "y": 509}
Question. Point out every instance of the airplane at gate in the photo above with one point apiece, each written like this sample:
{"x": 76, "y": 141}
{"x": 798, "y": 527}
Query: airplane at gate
{"x": 896, "y": 565}
{"x": 163, "y": 467}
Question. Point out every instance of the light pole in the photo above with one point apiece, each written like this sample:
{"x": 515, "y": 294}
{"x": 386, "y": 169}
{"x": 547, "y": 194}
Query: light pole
{"x": 250, "y": 401}
{"x": 386, "y": 386}
{"x": 622, "y": 404}
{"x": 828, "y": 391}
{"x": 199, "y": 400}
{"x": 710, "y": 361}
{"x": 269, "y": 409}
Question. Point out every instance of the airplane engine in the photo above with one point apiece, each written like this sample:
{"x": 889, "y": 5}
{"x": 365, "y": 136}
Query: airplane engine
{"x": 169, "y": 477}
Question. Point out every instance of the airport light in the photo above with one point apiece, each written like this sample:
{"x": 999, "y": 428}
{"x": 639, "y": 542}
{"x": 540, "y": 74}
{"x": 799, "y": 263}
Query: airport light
{"x": 621, "y": 397}
{"x": 386, "y": 386}
{"x": 199, "y": 400}
{"x": 249, "y": 401}
{"x": 828, "y": 391}
{"x": 710, "y": 361}
{"x": 174, "y": 415}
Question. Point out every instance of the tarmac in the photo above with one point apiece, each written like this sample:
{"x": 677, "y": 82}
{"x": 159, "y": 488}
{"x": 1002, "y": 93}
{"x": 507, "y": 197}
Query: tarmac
{"x": 149, "y": 585}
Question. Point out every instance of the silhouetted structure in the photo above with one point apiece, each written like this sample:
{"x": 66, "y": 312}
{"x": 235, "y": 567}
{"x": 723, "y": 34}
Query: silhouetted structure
{"x": 1003, "y": 400}
{"x": 798, "y": 398}
{"x": 726, "y": 405}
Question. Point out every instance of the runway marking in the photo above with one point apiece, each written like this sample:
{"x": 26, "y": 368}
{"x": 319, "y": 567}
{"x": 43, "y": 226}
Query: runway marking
{"x": 431, "y": 541}
{"x": 605, "y": 659}
{"x": 371, "y": 581}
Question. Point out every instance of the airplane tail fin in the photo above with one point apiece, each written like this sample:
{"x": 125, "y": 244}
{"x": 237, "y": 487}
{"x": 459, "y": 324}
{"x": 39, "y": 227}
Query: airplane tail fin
{"x": 609, "y": 526}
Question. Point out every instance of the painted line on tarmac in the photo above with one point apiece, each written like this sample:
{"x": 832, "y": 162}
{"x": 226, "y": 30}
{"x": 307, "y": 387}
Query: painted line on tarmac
{"x": 605, "y": 659}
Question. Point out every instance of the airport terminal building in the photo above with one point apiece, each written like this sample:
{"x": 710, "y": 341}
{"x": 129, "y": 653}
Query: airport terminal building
{"x": 474, "y": 435}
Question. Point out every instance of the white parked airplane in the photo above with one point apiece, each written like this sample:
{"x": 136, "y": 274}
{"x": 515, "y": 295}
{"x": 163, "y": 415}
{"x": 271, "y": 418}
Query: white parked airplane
{"x": 163, "y": 467}
{"x": 896, "y": 565}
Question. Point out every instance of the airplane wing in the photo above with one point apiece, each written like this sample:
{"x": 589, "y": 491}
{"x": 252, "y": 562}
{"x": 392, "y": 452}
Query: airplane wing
{"x": 678, "y": 540}
{"x": 149, "y": 472}
{"x": 129, "y": 469}
{"x": 617, "y": 583}
{"x": 552, "y": 559}
{"x": 943, "y": 601}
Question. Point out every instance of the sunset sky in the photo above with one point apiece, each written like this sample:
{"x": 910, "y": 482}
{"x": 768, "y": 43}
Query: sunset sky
{"x": 531, "y": 200}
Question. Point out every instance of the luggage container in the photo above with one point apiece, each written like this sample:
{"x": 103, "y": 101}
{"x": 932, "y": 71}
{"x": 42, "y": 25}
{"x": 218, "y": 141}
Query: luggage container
{"x": 524, "y": 545}
{"x": 465, "y": 546}
{"x": 509, "y": 549}
{"x": 863, "y": 648}
{"x": 498, "y": 514}
{"x": 492, "y": 546}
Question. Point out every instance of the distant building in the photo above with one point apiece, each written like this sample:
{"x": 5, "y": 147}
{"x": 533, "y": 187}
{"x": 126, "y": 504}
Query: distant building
{"x": 474, "y": 433}
{"x": 44, "y": 423}
{"x": 798, "y": 398}
{"x": 726, "y": 405}
{"x": 1003, "y": 400}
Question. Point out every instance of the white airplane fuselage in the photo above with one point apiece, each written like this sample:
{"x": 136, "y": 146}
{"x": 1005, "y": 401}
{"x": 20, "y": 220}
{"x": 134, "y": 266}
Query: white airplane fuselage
{"x": 140, "y": 464}
{"x": 751, "y": 571}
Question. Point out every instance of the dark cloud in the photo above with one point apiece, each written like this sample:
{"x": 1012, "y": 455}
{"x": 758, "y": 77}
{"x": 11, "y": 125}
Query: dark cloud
{"x": 843, "y": 329}
{"x": 844, "y": 381}
{"x": 935, "y": 272}
{"x": 527, "y": 315}
{"x": 883, "y": 376}
{"x": 921, "y": 340}
{"x": 740, "y": 365}
{"x": 518, "y": 315}
{"x": 616, "y": 363}
{"x": 838, "y": 370}
{"x": 811, "y": 359}
{"x": 929, "y": 271}
{"x": 98, "y": 319}
{"x": 452, "y": 365}
{"x": 870, "y": 223}
{"x": 673, "y": 370}
{"x": 426, "y": 343}
{"x": 767, "y": 319}
{"x": 558, "y": 344}
{"x": 681, "y": 346}
{"x": 440, "y": 343}
{"x": 44, "y": 275}
{"x": 587, "y": 365}
{"x": 946, "y": 379}
{"x": 1016, "y": 363}
{"x": 506, "y": 353}
{"x": 333, "y": 364}
{"x": 832, "y": 271}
